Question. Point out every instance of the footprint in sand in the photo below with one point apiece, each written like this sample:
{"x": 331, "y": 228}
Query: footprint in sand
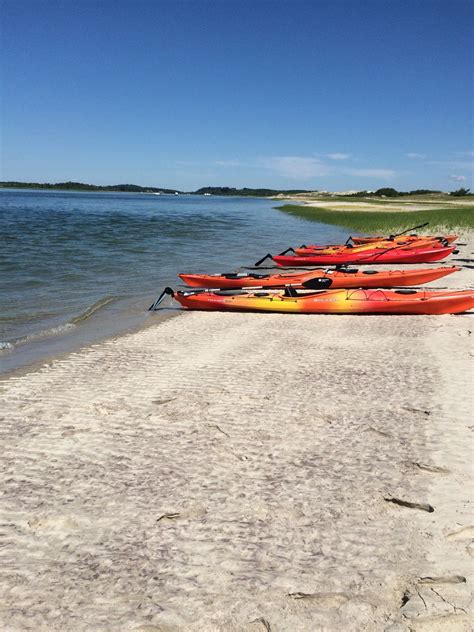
{"x": 445, "y": 579}
{"x": 466, "y": 533}
{"x": 326, "y": 600}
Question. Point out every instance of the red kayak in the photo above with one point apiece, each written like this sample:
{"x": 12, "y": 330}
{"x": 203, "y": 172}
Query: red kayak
{"x": 347, "y": 278}
{"x": 390, "y": 255}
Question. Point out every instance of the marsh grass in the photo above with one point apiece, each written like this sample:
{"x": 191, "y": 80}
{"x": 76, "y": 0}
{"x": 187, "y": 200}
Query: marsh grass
{"x": 387, "y": 221}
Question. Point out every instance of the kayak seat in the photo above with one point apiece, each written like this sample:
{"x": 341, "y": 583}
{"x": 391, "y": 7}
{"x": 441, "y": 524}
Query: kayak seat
{"x": 229, "y": 292}
{"x": 231, "y": 275}
{"x": 370, "y": 272}
{"x": 258, "y": 276}
{"x": 406, "y": 292}
{"x": 350, "y": 271}
{"x": 290, "y": 291}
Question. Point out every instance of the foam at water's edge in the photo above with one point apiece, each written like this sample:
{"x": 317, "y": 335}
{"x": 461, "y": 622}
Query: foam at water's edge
{"x": 45, "y": 333}
{"x": 60, "y": 329}
{"x": 93, "y": 309}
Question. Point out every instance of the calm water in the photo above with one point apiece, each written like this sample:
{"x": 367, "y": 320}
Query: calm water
{"x": 79, "y": 266}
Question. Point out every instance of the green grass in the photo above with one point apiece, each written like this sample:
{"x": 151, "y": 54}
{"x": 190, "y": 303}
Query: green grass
{"x": 387, "y": 221}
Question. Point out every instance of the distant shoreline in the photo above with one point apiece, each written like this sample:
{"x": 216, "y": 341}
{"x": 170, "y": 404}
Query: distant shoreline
{"x": 298, "y": 195}
{"x": 134, "y": 188}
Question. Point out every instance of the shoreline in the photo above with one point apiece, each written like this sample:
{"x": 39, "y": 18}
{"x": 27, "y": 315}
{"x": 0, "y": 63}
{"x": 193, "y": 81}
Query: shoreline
{"x": 229, "y": 471}
{"x": 48, "y": 358}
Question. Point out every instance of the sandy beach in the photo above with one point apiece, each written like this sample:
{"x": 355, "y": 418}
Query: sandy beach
{"x": 245, "y": 472}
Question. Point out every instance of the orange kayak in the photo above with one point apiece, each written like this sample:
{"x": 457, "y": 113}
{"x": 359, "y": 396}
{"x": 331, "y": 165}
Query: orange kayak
{"x": 356, "y": 301}
{"x": 367, "y": 240}
{"x": 374, "y": 246}
{"x": 348, "y": 278}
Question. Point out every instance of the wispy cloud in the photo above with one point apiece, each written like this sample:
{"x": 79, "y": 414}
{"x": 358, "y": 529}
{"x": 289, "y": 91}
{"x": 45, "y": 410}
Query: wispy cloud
{"x": 458, "y": 178}
{"x": 305, "y": 168}
{"x": 338, "y": 156}
{"x": 451, "y": 165}
{"x": 415, "y": 156}
{"x": 233, "y": 162}
{"x": 296, "y": 167}
{"x": 383, "y": 174}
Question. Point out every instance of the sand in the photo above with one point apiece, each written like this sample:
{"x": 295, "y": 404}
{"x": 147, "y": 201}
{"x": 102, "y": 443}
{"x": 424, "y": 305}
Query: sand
{"x": 387, "y": 204}
{"x": 238, "y": 472}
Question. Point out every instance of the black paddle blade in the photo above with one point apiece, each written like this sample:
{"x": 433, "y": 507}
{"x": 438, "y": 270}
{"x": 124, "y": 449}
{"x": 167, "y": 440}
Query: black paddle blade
{"x": 280, "y": 254}
{"x": 260, "y": 261}
{"x": 321, "y": 283}
{"x": 168, "y": 291}
{"x": 408, "y": 230}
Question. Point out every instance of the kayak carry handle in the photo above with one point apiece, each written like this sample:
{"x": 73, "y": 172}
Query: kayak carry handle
{"x": 168, "y": 291}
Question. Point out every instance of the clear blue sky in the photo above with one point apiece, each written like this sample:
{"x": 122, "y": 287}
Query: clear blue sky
{"x": 317, "y": 95}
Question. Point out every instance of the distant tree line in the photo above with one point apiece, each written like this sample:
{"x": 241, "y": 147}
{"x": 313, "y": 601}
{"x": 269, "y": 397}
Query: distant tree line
{"x": 80, "y": 186}
{"x": 461, "y": 192}
{"x": 228, "y": 191}
{"x": 247, "y": 192}
{"x": 393, "y": 193}
{"x": 133, "y": 188}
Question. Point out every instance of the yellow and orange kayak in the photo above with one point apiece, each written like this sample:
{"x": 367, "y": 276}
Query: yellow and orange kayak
{"x": 356, "y": 301}
{"x": 367, "y": 240}
{"x": 347, "y": 278}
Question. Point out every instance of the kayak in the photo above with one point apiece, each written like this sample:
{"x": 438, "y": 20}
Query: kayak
{"x": 375, "y": 245}
{"x": 395, "y": 254}
{"x": 356, "y": 301}
{"x": 367, "y": 240}
{"x": 348, "y": 278}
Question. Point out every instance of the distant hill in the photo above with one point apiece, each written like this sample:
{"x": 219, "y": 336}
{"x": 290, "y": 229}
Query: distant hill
{"x": 134, "y": 188}
{"x": 79, "y": 186}
{"x": 247, "y": 192}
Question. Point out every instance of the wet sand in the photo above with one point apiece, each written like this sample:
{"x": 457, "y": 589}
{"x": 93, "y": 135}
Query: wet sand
{"x": 244, "y": 472}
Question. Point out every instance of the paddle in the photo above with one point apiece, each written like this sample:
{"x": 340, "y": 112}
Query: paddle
{"x": 321, "y": 283}
{"x": 391, "y": 237}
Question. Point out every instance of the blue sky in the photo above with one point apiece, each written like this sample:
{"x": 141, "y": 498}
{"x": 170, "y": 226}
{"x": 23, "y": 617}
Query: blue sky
{"x": 317, "y": 95}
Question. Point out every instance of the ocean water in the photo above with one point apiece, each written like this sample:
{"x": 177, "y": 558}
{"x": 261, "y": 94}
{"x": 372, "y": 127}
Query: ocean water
{"x": 77, "y": 267}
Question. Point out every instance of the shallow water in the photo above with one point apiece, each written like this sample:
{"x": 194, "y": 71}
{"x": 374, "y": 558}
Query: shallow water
{"x": 76, "y": 267}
